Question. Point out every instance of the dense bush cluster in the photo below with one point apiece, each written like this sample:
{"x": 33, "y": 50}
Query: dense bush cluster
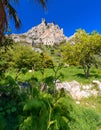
{"x": 44, "y": 111}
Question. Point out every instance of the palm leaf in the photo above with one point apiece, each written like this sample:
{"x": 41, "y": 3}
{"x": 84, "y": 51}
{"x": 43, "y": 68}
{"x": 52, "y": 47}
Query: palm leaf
{"x": 43, "y": 2}
{"x": 5, "y": 6}
{"x": 12, "y": 13}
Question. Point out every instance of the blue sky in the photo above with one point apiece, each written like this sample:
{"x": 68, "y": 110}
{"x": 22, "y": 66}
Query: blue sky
{"x": 68, "y": 14}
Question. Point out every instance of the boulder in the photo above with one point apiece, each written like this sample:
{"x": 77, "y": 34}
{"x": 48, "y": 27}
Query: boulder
{"x": 74, "y": 88}
{"x": 97, "y": 83}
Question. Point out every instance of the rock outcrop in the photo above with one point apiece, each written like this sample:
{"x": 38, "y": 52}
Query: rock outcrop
{"x": 79, "y": 91}
{"x": 44, "y": 33}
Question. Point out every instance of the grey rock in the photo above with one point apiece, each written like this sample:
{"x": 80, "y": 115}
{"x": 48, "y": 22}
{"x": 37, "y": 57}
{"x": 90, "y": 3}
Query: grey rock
{"x": 77, "y": 90}
{"x": 97, "y": 83}
{"x": 44, "y": 33}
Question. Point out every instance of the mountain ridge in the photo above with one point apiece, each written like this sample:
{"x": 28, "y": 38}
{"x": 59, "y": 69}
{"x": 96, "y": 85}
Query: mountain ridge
{"x": 44, "y": 33}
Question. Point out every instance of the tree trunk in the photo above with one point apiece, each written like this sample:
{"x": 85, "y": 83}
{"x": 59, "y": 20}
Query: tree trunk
{"x": 3, "y": 21}
{"x": 86, "y": 71}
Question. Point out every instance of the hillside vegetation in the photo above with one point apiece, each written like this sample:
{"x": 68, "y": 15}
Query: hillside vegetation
{"x": 28, "y": 75}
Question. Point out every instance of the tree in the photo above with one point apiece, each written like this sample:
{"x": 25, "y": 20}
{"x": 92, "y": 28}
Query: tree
{"x": 45, "y": 61}
{"x": 84, "y": 51}
{"x": 6, "y": 10}
{"x": 5, "y": 59}
{"x": 26, "y": 58}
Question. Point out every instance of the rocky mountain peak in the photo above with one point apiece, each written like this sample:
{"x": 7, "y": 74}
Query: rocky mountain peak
{"x": 44, "y": 33}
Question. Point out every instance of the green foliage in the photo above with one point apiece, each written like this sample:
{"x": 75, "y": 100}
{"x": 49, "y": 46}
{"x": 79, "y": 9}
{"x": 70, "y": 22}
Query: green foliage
{"x": 2, "y": 122}
{"x": 10, "y": 107}
{"x": 37, "y": 113}
{"x": 40, "y": 110}
{"x": 3, "y": 61}
{"x": 6, "y": 42}
{"x": 84, "y": 50}
{"x": 69, "y": 74}
{"x": 35, "y": 110}
{"x": 45, "y": 61}
{"x": 45, "y": 112}
{"x": 26, "y": 58}
{"x": 9, "y": 87}
{"x": 91, "y": 117}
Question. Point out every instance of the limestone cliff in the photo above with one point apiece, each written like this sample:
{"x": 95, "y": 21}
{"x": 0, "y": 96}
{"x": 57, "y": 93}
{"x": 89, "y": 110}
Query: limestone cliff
{"x": 44, "y": 33}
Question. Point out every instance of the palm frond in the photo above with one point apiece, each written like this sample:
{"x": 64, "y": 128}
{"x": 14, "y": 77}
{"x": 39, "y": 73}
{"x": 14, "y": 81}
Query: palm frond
{"x": 6, "y": 6}
{"x": 43, "y": 3}
{"x": 12, "y": 13}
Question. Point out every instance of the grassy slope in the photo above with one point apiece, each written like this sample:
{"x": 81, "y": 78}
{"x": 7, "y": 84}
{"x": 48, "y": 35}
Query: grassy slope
{"x": 93, "y": 103}
{"x": 69, "y": 74}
